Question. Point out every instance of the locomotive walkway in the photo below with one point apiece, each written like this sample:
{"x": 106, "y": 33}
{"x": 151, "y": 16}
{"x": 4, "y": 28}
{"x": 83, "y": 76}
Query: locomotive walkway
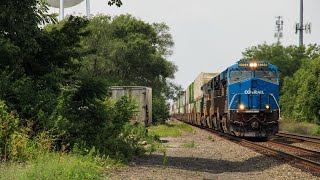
{"x": 211, "y": 157}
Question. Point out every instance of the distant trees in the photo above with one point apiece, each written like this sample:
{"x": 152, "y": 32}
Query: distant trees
{"x": 299, "y": 77}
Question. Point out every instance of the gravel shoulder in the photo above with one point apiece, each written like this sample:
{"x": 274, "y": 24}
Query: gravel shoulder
{"x": 211, "y": 158}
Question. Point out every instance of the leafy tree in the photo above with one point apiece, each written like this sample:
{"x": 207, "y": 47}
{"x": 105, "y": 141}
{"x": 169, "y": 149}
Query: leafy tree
{"x": 288, "y": 59}
{"x": 57, "y": 77}
{"x": 115, "y": 2}
{"x": 128, "y": 51}
{"x": 300, "y": 99}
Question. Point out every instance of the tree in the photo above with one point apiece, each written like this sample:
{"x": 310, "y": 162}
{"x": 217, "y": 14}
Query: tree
{"x": 300, "y": 99}
{"x": 19, "y": 29}
{"x": 128, "y": 51}
{"x": 287, "y": 59}
{"x": 115, "y": 2}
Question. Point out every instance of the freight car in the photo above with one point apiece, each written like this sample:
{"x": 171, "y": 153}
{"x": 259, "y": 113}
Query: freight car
{"x": 243, "y": 100}
{"x": 142, "y": 96}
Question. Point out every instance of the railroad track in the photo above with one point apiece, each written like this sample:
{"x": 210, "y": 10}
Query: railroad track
{"x": 299, "y": 138}
{"x": 304, "y": 159}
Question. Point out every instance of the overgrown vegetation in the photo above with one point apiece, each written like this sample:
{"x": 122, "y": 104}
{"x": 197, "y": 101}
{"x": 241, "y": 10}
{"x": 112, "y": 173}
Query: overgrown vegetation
{"x": 299, "y": 83}
{"x": 170, "y": 130}
{"x": 300, "y": 127}
{"x": 54, "y": 79}
{"x": 190, "y": 144}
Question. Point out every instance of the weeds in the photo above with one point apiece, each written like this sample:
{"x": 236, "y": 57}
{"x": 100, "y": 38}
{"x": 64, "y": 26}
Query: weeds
{"x": 54, "y": 166}
{"x": 210, "y": 138}
{"x": 190, "y": 144}
{"x": 170, "y": 130}
{"x": 300, "y": 127}
{"x": 165, "y": 157}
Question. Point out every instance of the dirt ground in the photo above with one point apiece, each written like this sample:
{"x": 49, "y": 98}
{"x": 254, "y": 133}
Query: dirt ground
{"x": 211, "y": 157}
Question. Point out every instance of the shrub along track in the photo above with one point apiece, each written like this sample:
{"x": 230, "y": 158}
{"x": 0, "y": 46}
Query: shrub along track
{"x": 291, "y": 154}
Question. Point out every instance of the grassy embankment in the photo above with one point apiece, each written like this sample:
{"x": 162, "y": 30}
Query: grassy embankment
{"x": 300, "y": 127}
{"x": 41, "y": 162}
{"x": 174, "y": 129}
{"x": 57, "y": 166}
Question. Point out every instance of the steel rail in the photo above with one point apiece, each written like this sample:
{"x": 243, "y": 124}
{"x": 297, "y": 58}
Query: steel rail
{"x": 306, "y": 138}
{"x": 308, "y": 165}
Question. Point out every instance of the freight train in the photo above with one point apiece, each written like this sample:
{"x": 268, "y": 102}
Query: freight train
{"x": 242, "y": 100}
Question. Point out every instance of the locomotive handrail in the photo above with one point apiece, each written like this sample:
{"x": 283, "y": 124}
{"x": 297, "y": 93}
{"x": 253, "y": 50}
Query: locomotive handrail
{"x": 232, "y": 101}
{"x": 276, "y": 103}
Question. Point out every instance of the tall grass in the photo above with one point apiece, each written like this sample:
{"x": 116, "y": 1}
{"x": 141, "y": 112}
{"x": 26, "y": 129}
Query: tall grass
{"x": 56, "y": 166}
{"x": 169, "y": 130}
{"x": 299, "y": 127}
{"x": 42, "y": 162}
{"x": 190, "y": 144}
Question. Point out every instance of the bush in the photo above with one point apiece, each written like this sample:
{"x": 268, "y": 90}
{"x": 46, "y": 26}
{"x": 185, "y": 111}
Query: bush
{"x": 160, "y": 109}
{"x": 9, "y": 126}
{"x": 300, "y": 99}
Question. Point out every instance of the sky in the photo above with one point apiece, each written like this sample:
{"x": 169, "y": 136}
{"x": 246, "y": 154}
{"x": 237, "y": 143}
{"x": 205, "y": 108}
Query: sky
{"x": 210, "y": 35}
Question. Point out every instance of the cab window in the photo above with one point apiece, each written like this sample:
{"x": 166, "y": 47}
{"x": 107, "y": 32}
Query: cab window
{"x": 267, "y": 75}
{"x": 237, "y": 75}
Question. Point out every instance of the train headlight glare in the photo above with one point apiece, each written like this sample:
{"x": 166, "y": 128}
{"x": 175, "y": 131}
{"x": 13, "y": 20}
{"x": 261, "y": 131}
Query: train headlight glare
{"x": 267, "y": 107}
{"x": 253, "y": 65}
{"x": 242, "y": 107}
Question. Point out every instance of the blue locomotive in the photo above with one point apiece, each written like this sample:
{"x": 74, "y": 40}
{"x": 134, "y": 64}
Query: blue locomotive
{"x": 243, "y": 100}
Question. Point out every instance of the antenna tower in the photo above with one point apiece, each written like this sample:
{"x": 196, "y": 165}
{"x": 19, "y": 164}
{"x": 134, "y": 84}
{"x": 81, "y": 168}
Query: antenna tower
{"x": 279, "y": 28}
{"x": 300, "y": 27}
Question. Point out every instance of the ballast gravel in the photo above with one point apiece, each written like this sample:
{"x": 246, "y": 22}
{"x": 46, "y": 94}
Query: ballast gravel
{"x": 212, "y": 157}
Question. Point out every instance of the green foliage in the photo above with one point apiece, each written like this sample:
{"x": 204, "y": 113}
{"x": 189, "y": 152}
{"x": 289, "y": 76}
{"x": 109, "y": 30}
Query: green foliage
{"x": 210, "y": 138}
{"x": 165, "y": 158}
{"x": 9, "y": 125}
{"x": 115, "y": 2}
{"x": 170, "y": 130}
{"x": 160, "y": 112}
{"x": 128, "y": 51}
{"x": 55, "y": 166}
{"x": 287, "y": 59}
{"x": 55, "y": 79}
{"x": 190, "y": 144}
{"x": 300, "y": 99}
{"x": 300, "y": 127}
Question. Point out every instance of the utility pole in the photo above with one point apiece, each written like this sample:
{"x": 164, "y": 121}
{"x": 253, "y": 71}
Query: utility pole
{"x": 302, "y": 27}
{"x": 279, "y": 28}
{"x": 61, "y": 10}
{"x": 88, "y": 9}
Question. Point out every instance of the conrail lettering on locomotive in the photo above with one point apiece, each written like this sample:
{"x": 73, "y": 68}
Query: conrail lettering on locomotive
{"x": 253, "y": 92}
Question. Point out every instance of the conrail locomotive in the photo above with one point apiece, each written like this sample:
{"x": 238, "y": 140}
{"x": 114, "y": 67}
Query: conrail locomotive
{"x": 243, "y": 100}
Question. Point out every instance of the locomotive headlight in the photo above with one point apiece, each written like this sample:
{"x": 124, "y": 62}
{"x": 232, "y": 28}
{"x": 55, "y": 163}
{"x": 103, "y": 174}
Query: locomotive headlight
{"x": 242, "y": 107}
{"x": 267, "y": 106}
{"x": 253, "y": 65}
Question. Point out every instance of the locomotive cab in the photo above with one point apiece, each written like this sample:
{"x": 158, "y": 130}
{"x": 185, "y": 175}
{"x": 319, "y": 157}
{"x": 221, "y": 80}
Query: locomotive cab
{"x": 253, "y": 96}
